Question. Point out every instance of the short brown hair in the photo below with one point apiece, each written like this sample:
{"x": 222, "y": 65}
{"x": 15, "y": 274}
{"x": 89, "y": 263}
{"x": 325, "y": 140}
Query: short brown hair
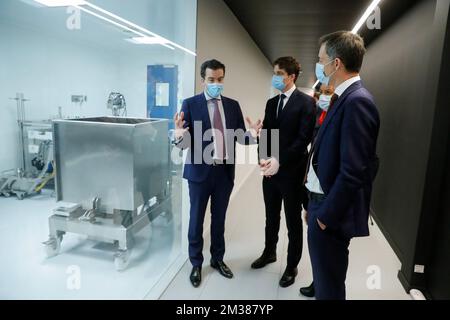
{"x": 290, "y": 65}
{"x": 347, "y": 46}
{"x": 211, "y": 64}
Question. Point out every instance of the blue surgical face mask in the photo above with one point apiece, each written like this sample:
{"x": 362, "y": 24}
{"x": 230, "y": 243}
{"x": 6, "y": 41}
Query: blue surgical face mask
{"x": 278, "y": 82}
{"x": 214, "y": 90}
{"x": 320, "y": 73}
{"x": 324, "y": 102}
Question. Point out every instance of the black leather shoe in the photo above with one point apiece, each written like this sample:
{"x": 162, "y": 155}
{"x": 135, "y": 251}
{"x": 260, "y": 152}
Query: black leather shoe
{"x": 263, "y": 261}
{"x": 288, "y": 277}
{"x": 222, "y": 268}
{"x": 196, "y": 276}
{"x": 308, "y": 291}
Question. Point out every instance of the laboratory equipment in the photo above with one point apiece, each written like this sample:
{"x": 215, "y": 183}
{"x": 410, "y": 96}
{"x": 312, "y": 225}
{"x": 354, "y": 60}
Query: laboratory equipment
{"x": 36, "y": 156}
{"x": 117, "y": 104}
{"x": 113, "y": 177}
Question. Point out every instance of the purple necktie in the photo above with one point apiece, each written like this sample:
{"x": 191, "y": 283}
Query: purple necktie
{"x": 218, "y": 125}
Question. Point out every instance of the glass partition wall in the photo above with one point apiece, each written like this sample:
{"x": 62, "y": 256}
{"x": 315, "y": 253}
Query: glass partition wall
{"x": 90, "y": 192}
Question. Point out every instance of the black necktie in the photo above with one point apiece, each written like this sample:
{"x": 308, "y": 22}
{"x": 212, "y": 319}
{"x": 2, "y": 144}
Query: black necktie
{"x": 280, "y": 105}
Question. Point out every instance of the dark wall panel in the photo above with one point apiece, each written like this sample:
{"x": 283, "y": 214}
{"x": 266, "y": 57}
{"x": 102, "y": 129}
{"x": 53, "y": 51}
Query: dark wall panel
{"x": 438, "y": 281}
{"x": 438, "y": 274}
{"x": 407, "y": 70}
{"x": 396, "y": 73}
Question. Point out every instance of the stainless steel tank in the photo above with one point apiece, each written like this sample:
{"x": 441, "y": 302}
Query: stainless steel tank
{"x": 122, "y": 161}
{"x": 113, "y": 176}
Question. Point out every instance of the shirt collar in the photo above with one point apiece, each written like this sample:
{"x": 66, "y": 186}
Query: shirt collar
{"x": 289, "y": 92}
{"x": 210, "y": 98}
{"x": 345, "y": 85}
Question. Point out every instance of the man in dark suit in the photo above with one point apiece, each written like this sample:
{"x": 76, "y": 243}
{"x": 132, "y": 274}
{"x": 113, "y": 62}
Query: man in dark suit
{"x": 292, "y": 115}
{"x": 322, "y": 95}
{"x": 343, "y": 164}
{"x": 209, "y": 125}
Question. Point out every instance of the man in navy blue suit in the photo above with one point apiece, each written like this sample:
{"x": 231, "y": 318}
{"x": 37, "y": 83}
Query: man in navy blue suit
{"x": 342, "y": 164}
{"x": 209, "y": 125}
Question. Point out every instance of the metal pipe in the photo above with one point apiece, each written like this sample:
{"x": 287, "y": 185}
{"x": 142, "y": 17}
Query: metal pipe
{"x": 21, "y": 103}
{"x": 20, "y": 118}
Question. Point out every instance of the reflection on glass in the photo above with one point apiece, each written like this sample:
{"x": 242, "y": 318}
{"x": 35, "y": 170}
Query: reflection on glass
{"x": 116, "y": 203}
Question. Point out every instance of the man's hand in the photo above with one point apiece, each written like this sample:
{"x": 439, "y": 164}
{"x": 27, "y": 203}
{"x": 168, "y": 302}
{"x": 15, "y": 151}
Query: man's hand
{"x": 270, "y": 167}
{"x": 262, "y": 165}
{"x": 180, "y": 130}
{"x": 255, "y": 127}
{"x": 305, "y": 216}
{"x": 321, "y": 225}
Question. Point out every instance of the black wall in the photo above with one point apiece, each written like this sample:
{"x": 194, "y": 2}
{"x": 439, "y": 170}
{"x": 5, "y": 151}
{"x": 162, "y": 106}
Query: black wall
{"x": 403, "y": 69}
{"x": 438, "y": 275}
{"x": 438, "y": 279}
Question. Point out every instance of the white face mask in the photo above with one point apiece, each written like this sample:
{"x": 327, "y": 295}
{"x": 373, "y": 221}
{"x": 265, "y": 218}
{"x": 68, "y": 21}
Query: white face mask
{"x": 324, "y": 102}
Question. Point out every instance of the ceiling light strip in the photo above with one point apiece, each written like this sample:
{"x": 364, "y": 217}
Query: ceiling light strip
{"x": 315, "y": 84}
{"x": 366, "y": 15}
{"x": 118, "y": 24}
{"x": 139, "y": 27}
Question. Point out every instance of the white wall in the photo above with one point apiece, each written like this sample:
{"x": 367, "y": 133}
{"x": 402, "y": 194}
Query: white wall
{"x": 48, "y": 63}
{"x": 48, "y": 71}
{"x": 248, "y": 73}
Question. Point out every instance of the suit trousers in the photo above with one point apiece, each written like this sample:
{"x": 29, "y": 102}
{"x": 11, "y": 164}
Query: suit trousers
{"x": 277, "y": 191}
{"x": 328, "y": 250}
{"x": 217, "y": 187}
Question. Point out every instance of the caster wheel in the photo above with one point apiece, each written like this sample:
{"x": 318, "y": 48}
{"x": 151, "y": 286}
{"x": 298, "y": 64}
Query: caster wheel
{"x": 52, "y": 246}
{"x": 121, "y": 260}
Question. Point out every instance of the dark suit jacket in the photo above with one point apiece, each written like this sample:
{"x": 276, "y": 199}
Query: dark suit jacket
{"x": 196, "y": 111}
{"x": 296, "y": 125}
{"x": 345, "y": 161}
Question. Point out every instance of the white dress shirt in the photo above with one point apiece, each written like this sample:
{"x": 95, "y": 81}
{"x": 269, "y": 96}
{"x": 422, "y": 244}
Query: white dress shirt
{"x": 286, "y": 99}
{"x": 312, "y": 181}
{"x": 211, "y": 107}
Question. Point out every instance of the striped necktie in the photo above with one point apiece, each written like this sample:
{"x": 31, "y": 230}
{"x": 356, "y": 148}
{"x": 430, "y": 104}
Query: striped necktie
{"x": 218, "y": 125}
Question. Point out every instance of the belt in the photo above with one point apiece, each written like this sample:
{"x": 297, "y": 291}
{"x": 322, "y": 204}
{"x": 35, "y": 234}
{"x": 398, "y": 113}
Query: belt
{"x": 316, "y": 197}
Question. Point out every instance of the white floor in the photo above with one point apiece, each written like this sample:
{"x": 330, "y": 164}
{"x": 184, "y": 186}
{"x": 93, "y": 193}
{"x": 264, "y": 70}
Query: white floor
{"x": 245, "y": 238}
{"x": 25, "y": 273}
